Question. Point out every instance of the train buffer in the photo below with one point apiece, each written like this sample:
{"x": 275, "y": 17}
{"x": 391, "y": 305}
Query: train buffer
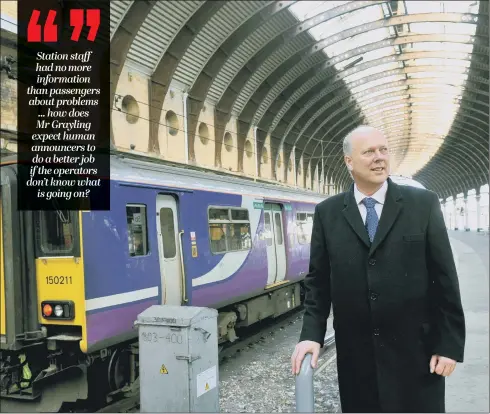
{"x": 178, "y": 359}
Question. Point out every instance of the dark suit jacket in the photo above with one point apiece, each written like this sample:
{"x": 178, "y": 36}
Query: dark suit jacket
{"x": 395, "y": 301}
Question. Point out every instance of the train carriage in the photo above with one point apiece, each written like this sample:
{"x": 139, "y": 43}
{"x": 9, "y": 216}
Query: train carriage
{"x": 173, "y": 235}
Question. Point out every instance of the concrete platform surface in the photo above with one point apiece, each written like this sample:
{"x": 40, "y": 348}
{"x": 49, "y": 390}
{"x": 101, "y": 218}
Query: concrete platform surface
{"x": 467, "y": 389}
{"x": 259, "y": 379}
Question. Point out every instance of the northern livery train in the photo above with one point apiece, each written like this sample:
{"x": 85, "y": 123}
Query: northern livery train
{"x": 73, "y": 283}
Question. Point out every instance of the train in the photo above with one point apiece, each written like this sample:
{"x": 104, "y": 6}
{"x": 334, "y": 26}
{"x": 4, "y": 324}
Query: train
{"x": 74, "y": 282}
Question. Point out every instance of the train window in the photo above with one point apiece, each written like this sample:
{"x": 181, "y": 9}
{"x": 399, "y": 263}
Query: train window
{"x": 229, "y": 230}
{"x": 267, "y": 228}
{"x": 218, "y": 237}
{"x": 168, "y": 232}
{"x": 219, "y": 214}
{"x": 278, "y": 226}
{"x": 137, "y": 229}
{"x": 239, "y": 215}
{"x": 300, "y": 216}
{"x": 56, "y": 233}
{"x": 239, "y": 237}
{"x": 304, "y": 227}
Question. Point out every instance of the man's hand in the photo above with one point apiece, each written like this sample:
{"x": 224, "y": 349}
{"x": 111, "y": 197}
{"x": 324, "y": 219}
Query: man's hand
{"x": 299, "y": 353}
{"x": 442, "y": 365}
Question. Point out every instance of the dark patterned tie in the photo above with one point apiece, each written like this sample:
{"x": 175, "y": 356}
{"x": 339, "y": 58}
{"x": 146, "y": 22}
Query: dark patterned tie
{"x": 371, "y": 217}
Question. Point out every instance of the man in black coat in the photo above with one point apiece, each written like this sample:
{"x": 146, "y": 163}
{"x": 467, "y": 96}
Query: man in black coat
{"x": 380, "y": 256}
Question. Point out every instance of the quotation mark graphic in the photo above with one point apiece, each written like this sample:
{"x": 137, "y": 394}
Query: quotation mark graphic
{"x": 77, "y": 21}
{"x": 34, "y": 28}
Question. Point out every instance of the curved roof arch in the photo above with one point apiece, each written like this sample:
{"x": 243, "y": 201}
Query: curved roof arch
{"x": 349, "y": 54}
{"x": 305, "y": 73}
{"x": 463, "y": 151}
{"x": 446, "y": 181}
{"x": 404, "y": 92}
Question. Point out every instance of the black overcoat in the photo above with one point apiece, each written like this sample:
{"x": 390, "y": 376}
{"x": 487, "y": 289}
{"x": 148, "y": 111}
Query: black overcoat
{"x": 395, "y": 302}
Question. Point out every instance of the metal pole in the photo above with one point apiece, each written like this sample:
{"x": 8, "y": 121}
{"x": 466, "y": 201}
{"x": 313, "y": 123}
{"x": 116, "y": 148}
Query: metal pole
{"x": 305, "y": 399}
{"x": 257, "y": 156}
{"x": 186, "y": 137}
{"x": 294, "y": 166}
{"x": 478, "y": 212}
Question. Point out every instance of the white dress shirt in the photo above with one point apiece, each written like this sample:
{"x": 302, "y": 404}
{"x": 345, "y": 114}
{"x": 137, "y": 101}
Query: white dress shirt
{"x": 379, "y": 196}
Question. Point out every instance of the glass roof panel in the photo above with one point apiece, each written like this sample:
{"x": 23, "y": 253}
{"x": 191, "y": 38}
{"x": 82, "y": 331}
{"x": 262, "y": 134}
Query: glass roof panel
{"x": 425, "y": 106}
{"x": 450, "y": 28}
{"x": 372, "y": 71}
{"x": 378, "y": 82}
{"x": 441, "y": 103}
{"x": 375, "y": 111}
{"x": 378, "y": 102}
{"x": 305, "y": 9}
{"x": 437, "y": 46}
{"x": 424, "y": 111}
{"x": 402, "y": 126}
{"x": 428, "y": 94}
{"x": 356, "y": 41}
{"x": 347, "y": 21}
{"x": 362, "y": 96}
{"x": 434, "y": 89}
{"x": 438, "y": 62}
{"x": 447, "y": 77}
{"x": 367, "y": 57}
{"x": 429, "y": 84}
{"x": 413, "y": 7}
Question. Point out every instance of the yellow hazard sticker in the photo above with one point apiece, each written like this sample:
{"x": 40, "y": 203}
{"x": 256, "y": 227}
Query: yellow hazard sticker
{"x": 163, "y": 369}
{"x": 194, "y": 251}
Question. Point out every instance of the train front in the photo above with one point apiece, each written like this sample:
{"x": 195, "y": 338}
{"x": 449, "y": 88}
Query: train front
{"x": 42, "y": 314}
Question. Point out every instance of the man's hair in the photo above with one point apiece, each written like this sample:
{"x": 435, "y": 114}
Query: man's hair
{"x": 347, "y": 140}
{"x": 347, "y": 145}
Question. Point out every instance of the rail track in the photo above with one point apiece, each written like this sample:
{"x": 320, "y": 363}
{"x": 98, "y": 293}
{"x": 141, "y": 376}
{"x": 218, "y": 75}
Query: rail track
{"x": 258, "y": 333}
{"x": 247, "y": 337}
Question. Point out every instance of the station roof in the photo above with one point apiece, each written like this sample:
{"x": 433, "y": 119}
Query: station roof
{"x": 307, "y": 72}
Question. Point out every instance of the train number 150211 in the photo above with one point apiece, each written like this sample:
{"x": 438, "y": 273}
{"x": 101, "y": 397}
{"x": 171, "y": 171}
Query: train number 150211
{"x": 58, "y": 280}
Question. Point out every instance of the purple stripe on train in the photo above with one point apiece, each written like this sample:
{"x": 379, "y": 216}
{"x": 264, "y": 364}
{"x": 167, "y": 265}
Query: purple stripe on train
{"x": 110, "y": 270}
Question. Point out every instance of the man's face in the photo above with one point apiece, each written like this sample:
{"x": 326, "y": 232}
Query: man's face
{"x": 369, "y": 158}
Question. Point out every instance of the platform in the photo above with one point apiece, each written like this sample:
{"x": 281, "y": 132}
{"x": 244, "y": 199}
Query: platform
{"x": 259, "y": 380}
{"x": 467, "y": 389}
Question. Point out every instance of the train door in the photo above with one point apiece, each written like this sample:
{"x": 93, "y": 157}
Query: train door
{"x": 169, "y": 250}
{"x": 276, "y": 250}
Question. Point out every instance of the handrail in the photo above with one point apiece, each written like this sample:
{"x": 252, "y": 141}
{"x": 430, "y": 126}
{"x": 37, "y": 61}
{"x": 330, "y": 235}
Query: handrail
{"x": 182, "y": 268}
{"x": 305, "y": 399}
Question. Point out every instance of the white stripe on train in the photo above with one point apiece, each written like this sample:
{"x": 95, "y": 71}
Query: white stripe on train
{"x": 121, "y": 298}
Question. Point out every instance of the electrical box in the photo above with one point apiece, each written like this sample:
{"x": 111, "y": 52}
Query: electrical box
{"x": 178, "y": 351}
